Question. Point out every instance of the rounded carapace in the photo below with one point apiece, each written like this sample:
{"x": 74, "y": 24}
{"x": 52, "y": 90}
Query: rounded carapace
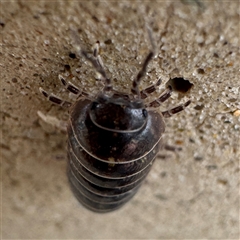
{"x": 118, "y": 113}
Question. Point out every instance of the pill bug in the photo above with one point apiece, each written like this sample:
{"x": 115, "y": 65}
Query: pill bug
{"x": 113, "y": 138}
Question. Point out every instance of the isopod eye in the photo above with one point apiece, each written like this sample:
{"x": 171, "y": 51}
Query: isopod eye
{"x": 94, "y": 105}
{"x": 145, "y": 113}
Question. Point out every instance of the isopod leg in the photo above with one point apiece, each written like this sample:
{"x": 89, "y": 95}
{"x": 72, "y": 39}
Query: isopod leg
{"x": 172, "y": 148}
{"x": 145, "y": 93}
{"x": 164, "y": 96}
{"x": 52, "y": 120}
{"x": 72, "y": 88}
{"x": 68, "y": 85}
{"x": 51, "y": 97}
{"x": 175, "y": 110}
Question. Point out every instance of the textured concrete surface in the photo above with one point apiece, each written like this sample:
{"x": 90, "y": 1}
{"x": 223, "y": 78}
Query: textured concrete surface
{"x": 191, "y": 194}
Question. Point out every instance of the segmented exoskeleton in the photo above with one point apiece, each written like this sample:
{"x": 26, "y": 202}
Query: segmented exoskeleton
{"x": 113, "y": 138}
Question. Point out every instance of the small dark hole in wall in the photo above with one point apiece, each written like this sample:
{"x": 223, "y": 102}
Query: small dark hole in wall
{"x": 72, "y": 55}
{"x": 199, "y": 107}
{"x": 200, "y": 71}
{"x": 108, "y": 41}
{"x": 14, "y": 80}
{"x": 2, "y": 24}
{"x": 179, "y": 84}
{"x": 67, "y": 67}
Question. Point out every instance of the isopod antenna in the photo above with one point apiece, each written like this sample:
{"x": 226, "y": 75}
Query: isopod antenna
{"x": 94, "y": 59}
{"x": 135, "y": 86}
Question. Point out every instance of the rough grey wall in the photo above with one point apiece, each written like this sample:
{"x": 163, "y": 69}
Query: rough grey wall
{"x": 193, "y": 193}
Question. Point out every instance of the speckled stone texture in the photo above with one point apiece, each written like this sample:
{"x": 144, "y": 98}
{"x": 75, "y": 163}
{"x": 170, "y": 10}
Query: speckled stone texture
{"x": 189, "y": 194}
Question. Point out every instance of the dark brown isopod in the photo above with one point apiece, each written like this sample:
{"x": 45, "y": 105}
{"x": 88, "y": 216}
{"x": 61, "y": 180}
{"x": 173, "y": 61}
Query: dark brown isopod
{"x": 113, "y": 138}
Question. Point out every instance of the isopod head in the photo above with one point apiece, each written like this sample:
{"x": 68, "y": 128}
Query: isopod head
{"x": 118, "y": 114}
